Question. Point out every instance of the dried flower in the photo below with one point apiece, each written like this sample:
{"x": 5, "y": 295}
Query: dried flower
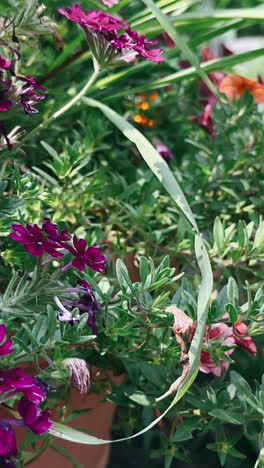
{"x": 79, "y": 373}
{"x": 5, "y": 348}
{"x": 182, "y": 325}
{"x": 107, "y": 44}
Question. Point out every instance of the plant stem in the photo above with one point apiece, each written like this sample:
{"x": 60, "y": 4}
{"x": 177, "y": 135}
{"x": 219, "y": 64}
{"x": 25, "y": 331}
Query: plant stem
{"x": 63, "y": 109}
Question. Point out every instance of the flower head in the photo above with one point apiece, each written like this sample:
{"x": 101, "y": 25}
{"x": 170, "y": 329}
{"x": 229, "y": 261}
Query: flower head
{"x": 79, "y": 373}
{"x": 16, "y": 97}
{"x": 233, "y": 86}
{"x": 37, "y": 241}
{"x": 107, "y": 44}
{"x": 90, "y": 256}
{"x": 37, "y": 420}
{"x": 15, "y": 381}
{"x": 221, "y": 335}
{"x": 6, "y": 347}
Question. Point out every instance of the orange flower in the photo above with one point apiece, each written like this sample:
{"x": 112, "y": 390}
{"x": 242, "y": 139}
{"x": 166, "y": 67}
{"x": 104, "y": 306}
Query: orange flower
{"x": 233, "y": 86}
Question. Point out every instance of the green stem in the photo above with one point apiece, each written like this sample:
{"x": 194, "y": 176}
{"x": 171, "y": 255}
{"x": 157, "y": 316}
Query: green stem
{"x": 62, "y": 110}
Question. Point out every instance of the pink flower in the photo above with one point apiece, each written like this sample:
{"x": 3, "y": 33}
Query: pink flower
{"x": 90, "y": 256}
{"x": 217, "y": 334}
{"x": 5, "y": 348}
{"x": 245, "y": 341}
{"x": 102, "y": 31}
{"x": 94, "y": 20}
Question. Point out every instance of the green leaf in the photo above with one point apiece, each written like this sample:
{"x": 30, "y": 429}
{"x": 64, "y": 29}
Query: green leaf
{"x": 232, "y": 291}
{"x": 184, "y": 430}
{"x": 227, "y": 416}
{"x": 219, "y": 235}
{"x": 143, "y": 269}
{"x": 232, "y": 312}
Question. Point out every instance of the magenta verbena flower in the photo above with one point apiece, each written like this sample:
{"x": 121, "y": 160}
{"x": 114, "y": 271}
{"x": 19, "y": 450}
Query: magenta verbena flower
{"x": 104, "y": 30}
{"x": 37, "y": 241}
{"x": 34, "y": 417}
{"x": 6, "y": 347}
{"x": 8, "y": 448}
{"x": 85, "y": 256}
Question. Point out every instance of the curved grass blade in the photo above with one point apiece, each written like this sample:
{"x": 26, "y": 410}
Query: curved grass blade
{"x": 166, "y": 23}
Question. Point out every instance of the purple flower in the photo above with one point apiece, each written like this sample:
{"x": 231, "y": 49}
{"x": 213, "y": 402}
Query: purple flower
{"x": 90, "y": 256}
{"x": 5, "y": 348}
{"x": 15, "y": 97}
{"x": 53, "y": 233}
{"x": 88, "y": 303}
{"x": 37, "y": 241}
{"x": 5, "y": 64}
{"x": 102, "y": 30}
{"x": 94, "y": 20}
{"x": 164, "y": 151}
{"x": 15, "y": 381}
{"x": 8, "y": 448}
{"x": 33, "y": 416}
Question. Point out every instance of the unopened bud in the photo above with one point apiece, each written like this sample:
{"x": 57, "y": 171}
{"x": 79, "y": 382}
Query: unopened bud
{"x": 79, "y": 373}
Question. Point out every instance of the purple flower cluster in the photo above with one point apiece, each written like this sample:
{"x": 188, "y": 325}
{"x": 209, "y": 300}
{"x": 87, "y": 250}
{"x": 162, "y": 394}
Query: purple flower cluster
{"x": 13, "y": 382}
{"x": 48, "y": 239}
{"x": 15, "y": 96}
{"x": 105, "y": 30}
{"x": 84, "y": 299}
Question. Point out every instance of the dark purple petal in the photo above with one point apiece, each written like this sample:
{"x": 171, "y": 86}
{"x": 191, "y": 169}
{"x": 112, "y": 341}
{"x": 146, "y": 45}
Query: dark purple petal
{"x": 5, "y": 64}
{"x": 79, "y": 264}
{"x": 7, "y": 442}
{"x": 31, "y": 81}
{"x": 5, "y": 105}
{"x": 6, "y": 348}
{"x": 36, "y": 419}
{"x": 35, "y": 249}
{"x": 79, "y": 244}
{"x": 2, "y": 332}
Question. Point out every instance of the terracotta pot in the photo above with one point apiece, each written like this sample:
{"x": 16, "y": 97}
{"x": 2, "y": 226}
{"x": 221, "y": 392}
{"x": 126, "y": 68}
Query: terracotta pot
{"x": 98, "y": 422}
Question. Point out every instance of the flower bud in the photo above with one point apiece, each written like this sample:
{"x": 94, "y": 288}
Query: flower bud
{"x": 79, "y": 373}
